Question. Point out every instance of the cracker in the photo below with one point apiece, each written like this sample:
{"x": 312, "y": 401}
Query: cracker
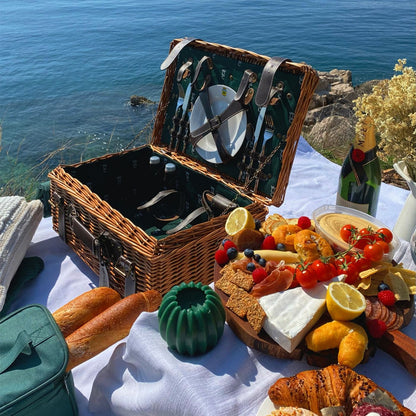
{"x": 256, "y": 316}
{"x": 243, "y": 280}
{"x": 226, "y": 286}
{"x": 239, "y": 302}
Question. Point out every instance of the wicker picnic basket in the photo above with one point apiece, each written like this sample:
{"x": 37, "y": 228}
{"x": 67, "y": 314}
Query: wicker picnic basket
{"x": 94, "y": 203}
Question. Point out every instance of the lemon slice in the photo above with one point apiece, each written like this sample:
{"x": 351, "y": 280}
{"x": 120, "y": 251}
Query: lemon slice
{"x": 344, "y": 302}
{"x": 239, "y": 219}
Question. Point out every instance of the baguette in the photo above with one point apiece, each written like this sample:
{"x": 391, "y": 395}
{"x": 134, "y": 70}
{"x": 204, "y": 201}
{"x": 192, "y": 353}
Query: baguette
{"x": 109, "y": 326}
{"x": 80, "y": 310}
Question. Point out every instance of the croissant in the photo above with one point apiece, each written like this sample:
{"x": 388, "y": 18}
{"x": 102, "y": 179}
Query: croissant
{"x": 335, "y": 385}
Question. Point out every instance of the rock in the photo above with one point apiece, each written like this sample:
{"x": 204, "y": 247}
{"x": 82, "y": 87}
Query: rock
{"x": 330, "y": 122}
{"x": 333, "y": 134}
{"x": 136, "y": 100}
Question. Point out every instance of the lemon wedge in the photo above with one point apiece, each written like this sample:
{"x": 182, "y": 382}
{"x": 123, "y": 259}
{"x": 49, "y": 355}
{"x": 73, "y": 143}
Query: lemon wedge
{"x": 344, "y": 302}
{"x": 239, "y": 219}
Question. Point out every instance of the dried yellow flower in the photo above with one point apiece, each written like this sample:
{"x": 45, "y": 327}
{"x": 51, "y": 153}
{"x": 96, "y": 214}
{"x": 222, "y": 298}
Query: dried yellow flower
{"x": 392, "y": 106}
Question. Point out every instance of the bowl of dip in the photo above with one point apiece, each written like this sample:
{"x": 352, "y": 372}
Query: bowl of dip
{"x": 329, "y": 219}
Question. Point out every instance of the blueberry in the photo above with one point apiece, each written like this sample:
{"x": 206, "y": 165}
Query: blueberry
{"x": 257, "y": 222}
{"x": 383, "y": 286}
{"x": 248, "y": 252}
{"x": 262, "y": 262}
{"x": 225, "y": 240}
{"x": 281, "y": 247}
{"x": 257, "y": 257}
{"x": 251, "y": 267}
{"x": 232, "y": 253}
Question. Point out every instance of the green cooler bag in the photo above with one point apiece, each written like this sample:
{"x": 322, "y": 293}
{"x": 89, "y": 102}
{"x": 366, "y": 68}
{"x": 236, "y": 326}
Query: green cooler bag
{"x": 33, "y": 359}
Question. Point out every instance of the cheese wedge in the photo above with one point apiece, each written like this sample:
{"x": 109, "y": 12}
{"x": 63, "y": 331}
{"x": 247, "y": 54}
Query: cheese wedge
{"x": 292, "y": 313}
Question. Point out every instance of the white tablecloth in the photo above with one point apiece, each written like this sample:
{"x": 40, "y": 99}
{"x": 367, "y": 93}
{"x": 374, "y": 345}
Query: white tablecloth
{"x": 139, "y": 375}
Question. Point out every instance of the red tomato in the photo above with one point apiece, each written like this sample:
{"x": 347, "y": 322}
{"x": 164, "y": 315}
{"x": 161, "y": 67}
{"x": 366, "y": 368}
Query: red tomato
{"x": 322, "y": 270}
{"x": 365, "y": 236}
{"x": 384, "y": 234}
{"x": 306, "y": 277}
{"x": 362, "y": 263}
{"x": 352, "y": 273}
{"x": 373, "y": 252}
{"x": 347, "y": 231}
{"x": 384, "y": 245}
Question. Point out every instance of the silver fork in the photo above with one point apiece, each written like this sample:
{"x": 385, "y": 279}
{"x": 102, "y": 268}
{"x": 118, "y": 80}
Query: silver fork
{"x": 268, "y": 135}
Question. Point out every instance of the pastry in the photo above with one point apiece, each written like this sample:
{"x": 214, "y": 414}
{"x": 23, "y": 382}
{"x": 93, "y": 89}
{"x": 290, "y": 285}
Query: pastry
{"x": 311, "y": 246}
{"x": 332, "y": 386}
{"x": 285, "y": 234}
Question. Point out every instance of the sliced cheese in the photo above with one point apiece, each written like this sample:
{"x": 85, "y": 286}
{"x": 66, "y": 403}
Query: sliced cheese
{"x": 292, "y": 313}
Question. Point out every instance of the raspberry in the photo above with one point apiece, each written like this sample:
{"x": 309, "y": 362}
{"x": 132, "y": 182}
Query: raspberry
{"x": 304, "y": 222}
{"x": 386, "y": 297}
{"x": 268, "y": 243}
{"x": 376, "y": 327}
{"x": 221, "y": 257}
{"x": 228, "y": 244}
{"x": 259, "y": 274}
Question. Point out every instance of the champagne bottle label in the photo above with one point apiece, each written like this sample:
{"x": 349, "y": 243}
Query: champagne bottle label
{"x": 360, "y": 177}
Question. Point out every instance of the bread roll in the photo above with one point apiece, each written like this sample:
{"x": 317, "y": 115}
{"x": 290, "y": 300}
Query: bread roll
{"x": 109, "y": 326}
{"x": 80, "y": 310}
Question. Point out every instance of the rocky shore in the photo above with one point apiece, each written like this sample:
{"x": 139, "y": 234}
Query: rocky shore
{"x": 330, "y": 121}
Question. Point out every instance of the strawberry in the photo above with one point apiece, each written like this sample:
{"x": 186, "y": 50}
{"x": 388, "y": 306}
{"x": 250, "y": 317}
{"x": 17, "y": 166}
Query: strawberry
{"x": 386, "y": 297}
{"x": 304, "y": 222}
{"x": 221, "y": 257}
{"x": 268, "y": 243}
{"x": 376, "y": 327}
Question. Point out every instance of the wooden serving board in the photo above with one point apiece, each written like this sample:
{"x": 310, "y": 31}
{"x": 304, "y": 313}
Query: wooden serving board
{"x": 396, "y": 343}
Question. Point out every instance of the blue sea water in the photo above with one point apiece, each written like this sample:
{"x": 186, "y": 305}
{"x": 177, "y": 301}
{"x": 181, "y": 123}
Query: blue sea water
{"x": 68, "y": 68}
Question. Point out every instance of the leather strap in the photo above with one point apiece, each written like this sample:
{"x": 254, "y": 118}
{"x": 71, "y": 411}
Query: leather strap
{"x": 175, "y": 52}
{"x": 157, "y": 198}
{"x": 237, "y": 105}
{"x": 265, "y": 90}
{"x": 191, "y": 217}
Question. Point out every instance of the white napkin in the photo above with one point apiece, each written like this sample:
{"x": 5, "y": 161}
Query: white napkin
{"x": 18, "y": 222}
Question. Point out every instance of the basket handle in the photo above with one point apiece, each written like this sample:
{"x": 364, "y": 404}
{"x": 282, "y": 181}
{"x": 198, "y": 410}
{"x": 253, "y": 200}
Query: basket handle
{"x": 22, "y": 345}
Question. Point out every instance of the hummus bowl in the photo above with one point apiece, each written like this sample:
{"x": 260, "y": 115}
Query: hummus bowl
{"x": 329, "y": 219}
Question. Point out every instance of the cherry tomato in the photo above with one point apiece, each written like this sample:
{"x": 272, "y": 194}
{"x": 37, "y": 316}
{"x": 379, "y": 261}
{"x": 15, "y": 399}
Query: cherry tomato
{"x": 361, "y": 262}
{"x": 306, "y": 277}
{"x": 384, "y": 245}
{"x": 352, "y": 273}
{"x": 373, "y": 252}
{"x": 347, "y": 231}
{"x": 384, "y": 234}
{"x": 365, "y": 236}
{"x": 321, "y": 270}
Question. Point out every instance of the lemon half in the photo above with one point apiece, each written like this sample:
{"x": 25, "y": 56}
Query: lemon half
{"x": 239, "y": 219}
{"x": 344, "y": 302}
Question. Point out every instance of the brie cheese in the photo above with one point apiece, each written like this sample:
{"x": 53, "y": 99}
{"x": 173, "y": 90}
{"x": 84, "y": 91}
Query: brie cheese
{"x": 292, "y": 313}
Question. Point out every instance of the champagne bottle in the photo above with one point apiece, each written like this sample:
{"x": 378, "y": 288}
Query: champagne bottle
{"x": 360, "y": 178}
{"x": 156, "y": 173}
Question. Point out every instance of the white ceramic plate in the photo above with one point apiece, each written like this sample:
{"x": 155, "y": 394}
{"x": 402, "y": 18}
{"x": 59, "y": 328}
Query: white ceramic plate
{"x": 232, "y": 132}
{"x": 266, "y": 407}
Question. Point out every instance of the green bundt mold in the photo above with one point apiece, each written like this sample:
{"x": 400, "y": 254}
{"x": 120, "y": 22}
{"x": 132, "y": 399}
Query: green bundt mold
{"x": 191, "y": 318}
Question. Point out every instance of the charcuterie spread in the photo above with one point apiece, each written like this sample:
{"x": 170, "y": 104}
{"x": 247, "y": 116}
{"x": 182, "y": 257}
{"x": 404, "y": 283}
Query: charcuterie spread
{"x": 283, "y": 282}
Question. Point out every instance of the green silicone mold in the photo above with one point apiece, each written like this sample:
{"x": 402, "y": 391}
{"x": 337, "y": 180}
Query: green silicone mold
{"x": 191, "y": 318}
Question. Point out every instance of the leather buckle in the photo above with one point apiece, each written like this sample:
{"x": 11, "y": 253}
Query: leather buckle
{"x": 215, "y": 123}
